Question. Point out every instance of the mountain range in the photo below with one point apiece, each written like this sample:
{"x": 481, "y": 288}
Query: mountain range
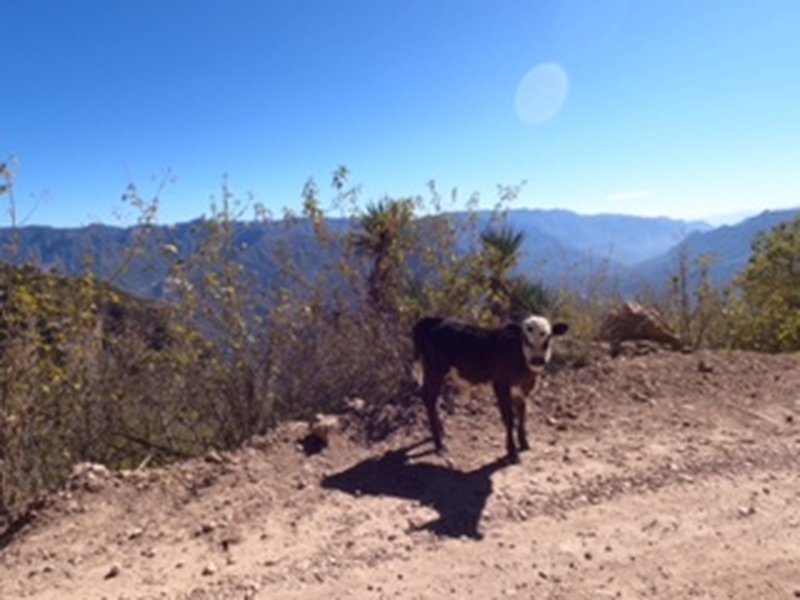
{"x": 727, "y": 248}
{"x": 560, "y": 247}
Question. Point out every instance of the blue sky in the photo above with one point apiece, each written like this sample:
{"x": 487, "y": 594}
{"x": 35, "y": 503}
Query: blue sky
{"x": 683, "y": 108}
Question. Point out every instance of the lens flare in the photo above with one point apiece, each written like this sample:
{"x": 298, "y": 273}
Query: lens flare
{"x": 541, "y": 93}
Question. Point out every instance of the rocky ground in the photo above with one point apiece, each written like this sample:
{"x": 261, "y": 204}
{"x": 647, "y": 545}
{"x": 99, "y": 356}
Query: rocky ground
{"x": 662, "y": 475}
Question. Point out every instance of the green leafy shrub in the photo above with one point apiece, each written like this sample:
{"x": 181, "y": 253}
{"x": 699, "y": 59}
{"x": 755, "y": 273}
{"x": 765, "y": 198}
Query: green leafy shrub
{"x": 765, "y": 308}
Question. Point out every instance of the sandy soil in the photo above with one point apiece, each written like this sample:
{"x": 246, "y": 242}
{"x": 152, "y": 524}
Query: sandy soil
{"x": 666, "y": 475}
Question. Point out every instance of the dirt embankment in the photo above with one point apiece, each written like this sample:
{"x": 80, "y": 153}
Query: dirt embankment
{"x": 667, "y": 475}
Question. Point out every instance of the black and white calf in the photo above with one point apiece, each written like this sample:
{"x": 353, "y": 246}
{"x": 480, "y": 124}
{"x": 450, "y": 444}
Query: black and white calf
{"x": 507, "y": 357}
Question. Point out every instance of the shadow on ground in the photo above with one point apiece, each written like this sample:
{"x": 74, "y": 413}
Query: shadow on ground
{"x": 458, "y": 496}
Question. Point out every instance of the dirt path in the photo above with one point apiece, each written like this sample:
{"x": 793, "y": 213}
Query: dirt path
{"x": 665, "y": 476}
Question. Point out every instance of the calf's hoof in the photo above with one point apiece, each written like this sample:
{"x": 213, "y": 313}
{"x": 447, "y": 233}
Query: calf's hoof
{"x": 439, "y": 446}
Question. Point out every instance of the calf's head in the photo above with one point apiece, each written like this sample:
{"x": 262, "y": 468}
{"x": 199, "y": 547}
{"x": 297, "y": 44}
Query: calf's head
{"x": 537, "y": 336}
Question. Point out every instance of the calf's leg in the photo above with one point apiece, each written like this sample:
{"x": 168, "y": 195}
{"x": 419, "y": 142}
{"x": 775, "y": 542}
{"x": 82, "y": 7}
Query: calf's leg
{"x": 504, "y": 402}
{"x": 519, "y": 409}
{"x": 520, "y": 402}
{"x": 432, "y": 385}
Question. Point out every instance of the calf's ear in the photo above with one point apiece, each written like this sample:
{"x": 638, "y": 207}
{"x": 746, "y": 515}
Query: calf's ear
{"x": 560, "y": 328}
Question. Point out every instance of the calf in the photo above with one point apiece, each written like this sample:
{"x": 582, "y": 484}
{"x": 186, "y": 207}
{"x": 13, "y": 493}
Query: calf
{"x": 506, "y": 357}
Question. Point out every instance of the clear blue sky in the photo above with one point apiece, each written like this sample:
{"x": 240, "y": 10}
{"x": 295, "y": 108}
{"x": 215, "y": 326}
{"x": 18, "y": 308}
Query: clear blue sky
{"x": 684, "y": 108}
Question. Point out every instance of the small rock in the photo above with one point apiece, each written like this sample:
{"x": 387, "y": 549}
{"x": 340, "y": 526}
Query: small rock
{"x": 356, "y": 404}
{"x": 88, "y": 476}
{"x": 214, "y": 457}
{"x": 208, "y": 570}
{"x": 206, "y": 528}
{"x": 320, "y": 432}
{"x": 746, "y": 511}
{"x": 112, "y": 572}
{"x": 230, "y": 538}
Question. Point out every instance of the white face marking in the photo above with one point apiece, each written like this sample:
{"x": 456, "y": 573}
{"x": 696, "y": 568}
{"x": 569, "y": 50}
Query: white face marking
{"x": 537, "y": 348}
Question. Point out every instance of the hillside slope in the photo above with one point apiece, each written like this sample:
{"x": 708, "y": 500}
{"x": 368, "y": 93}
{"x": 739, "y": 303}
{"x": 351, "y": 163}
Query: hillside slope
{"x": 133, "y": 259}
{"x": 664, "y": 475}
{"x": 728, "y": 247}
{"x": 623, "y": 239}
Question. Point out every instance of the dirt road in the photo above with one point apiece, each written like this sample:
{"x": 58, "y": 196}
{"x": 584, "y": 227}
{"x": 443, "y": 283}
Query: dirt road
{"x": 665, "y": 476}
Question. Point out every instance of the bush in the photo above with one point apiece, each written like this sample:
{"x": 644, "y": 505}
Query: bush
{"x": 91, "y": 374}
{"x": 765, "y": 309}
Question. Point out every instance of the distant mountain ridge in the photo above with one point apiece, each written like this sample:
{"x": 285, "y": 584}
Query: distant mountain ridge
{"x": 108, "y": 252}
{"x": 727, "y": 247}
{"x": 624, "y": 239}
{"x": 560, "y": 247}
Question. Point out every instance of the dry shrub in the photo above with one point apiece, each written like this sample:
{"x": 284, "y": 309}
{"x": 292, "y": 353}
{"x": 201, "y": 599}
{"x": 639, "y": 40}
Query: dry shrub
{"x": 90, "y": 374}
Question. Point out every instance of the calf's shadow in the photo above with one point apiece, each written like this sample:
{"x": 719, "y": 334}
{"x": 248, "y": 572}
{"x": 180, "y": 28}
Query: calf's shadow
{"x": 458, "y": 496}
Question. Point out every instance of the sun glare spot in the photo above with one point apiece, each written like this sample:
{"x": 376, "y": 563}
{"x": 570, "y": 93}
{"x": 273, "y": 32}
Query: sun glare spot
{"x": 541, "y": 93}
